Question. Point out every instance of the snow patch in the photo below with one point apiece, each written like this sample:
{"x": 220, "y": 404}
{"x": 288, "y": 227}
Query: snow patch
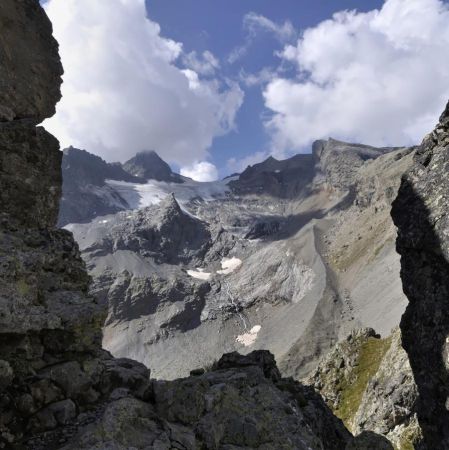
{"x": 228, "y": 265}
{"x": 248, "y": 339}
{"x": 153, "y": 192}
{"x": 104, "y": 221}
{"x": 199, "y": 274}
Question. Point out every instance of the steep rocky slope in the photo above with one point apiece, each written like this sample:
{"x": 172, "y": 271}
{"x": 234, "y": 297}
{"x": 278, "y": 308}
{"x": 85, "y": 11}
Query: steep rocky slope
{"x": 58, "y": 388}
{"x": 421, "y": 214}
{"x": 289, "y": 258}
{"x": 368, "y": 382}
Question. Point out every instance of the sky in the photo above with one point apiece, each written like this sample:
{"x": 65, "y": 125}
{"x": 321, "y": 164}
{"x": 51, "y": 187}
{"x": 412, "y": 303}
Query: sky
{"x": 214, "y": 85}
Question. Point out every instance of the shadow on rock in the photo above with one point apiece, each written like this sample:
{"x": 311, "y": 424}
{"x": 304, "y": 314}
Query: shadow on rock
{"x": 368, "y": 440}
{"x": 420, "y": 214}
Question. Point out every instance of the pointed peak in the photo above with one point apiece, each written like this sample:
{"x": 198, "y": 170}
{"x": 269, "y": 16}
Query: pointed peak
{"x": 170, "y": 202}
{"x": 149, "y": 165}
{"x": 148, "y": 153}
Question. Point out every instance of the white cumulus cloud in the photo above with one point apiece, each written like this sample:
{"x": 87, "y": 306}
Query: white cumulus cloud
{"x": 123, "y": 91}
{"x": 380, "y": 77}
{"x": 200, "y": 171}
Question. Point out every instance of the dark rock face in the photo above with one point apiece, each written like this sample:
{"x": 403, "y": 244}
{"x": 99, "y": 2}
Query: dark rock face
{"x": 27, "y": 198}
{"x": 149, "y": 165}
{"x": 52, "y": 366}
{"x": 337, "y": 162}
{"x": 30, "y": 66}
{"x": 420, "y": 212}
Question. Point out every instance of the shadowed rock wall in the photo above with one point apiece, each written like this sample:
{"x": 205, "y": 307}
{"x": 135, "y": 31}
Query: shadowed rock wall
{"x": 421, "y": 214}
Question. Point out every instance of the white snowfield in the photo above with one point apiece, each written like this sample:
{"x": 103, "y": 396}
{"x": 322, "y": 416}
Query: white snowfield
{"x": 228, "y": 265}
{"x": 248, "y": 339}
{"x": 153, "y": 192}
{"x": 199, "y": 274}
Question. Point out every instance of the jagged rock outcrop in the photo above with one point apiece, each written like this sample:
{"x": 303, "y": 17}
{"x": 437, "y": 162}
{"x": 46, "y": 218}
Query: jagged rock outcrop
{"x": 58, "y": 388}
{"x": 421, "y": 215}
{"x": 241, "y": 403}
{"x": 368, "y": 382}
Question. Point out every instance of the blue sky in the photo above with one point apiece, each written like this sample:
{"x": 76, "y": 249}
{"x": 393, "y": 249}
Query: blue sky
{"x": 213, "y": 86}
{"x": 218, "y": 26}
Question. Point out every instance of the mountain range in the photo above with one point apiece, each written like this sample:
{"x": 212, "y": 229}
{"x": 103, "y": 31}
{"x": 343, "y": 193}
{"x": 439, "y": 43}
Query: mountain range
{"x": 286, "y": 256}
{"x": 298, "y": 256}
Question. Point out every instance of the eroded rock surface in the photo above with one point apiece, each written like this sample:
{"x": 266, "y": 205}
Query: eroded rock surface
{"x": 368, "y": 382}
{"x": 31, "y": 70}
{"x": 421, "y": 214}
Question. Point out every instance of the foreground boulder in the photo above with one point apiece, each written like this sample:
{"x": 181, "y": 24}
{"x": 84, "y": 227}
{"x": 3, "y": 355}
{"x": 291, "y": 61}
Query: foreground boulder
{"x": 241, "y": 403}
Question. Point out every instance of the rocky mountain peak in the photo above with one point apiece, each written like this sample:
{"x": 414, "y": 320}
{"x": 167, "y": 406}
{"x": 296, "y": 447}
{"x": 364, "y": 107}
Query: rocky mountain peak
{"x": 169, "y": 203}
{"x": 339, "y": 161}
{"x": 82, "y": 167}
{"x": 149, "y": 165}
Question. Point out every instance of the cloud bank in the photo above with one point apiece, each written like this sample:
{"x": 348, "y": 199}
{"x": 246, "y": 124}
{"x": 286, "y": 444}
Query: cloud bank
{"x": 200, "y": 171}
{"x": 123, "y": 91}
{"x": 380, "y": 78}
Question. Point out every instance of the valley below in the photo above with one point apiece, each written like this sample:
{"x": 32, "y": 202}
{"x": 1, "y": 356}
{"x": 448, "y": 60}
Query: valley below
{"x": 289, "y": 256}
